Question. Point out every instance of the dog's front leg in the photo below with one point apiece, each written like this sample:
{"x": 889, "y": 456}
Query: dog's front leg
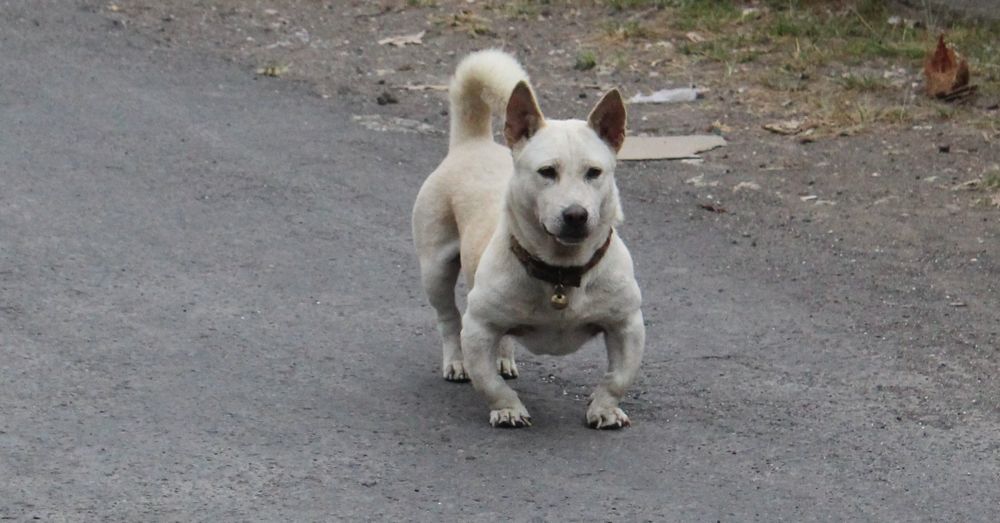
{"x": 625, "y": 343}
{"x": 480, "y": 342}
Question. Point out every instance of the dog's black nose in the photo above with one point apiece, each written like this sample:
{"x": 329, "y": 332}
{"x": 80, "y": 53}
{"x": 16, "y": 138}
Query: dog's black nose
{"x": 575, "y": 216}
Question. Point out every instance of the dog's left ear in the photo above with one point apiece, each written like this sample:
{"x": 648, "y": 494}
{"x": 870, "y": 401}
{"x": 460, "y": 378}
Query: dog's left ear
{"x": 608, "y": 119}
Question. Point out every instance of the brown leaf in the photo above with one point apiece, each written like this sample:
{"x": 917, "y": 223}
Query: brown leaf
{"x": 789, "y": 127}
{"x": 712, "y": 207}
{"x": 694, "y": 37}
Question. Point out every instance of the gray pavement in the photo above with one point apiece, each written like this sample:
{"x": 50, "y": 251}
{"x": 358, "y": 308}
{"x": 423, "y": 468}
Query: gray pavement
{"x": 209, "y": 311}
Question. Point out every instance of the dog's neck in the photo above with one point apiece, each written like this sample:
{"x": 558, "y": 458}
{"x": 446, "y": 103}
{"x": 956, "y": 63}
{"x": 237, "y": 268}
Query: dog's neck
{"x": 542, "y": 245}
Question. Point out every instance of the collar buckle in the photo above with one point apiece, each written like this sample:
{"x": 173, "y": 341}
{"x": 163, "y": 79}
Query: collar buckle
{"x": 558, "y": 275}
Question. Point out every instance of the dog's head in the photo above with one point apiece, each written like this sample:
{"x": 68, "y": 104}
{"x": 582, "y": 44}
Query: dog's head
{"x": 564, "y": 169}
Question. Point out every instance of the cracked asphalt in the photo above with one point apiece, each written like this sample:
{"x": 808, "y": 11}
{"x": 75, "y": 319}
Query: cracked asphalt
{"x": 209, "y": 311}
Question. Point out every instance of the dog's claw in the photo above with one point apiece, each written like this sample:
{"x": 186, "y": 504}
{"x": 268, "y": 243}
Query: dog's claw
{"x": 607, "y": 418}
{"x": 507, "y": 368}
{"x": 510, "y": 418}
{"x": 455, "y": 372}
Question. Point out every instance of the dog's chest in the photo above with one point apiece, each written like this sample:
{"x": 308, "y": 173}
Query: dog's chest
{"x": 555, "y": 339}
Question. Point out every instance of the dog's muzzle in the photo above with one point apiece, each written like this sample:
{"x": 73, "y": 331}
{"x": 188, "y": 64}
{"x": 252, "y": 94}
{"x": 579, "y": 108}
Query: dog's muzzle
{"x": 574, "y": 224}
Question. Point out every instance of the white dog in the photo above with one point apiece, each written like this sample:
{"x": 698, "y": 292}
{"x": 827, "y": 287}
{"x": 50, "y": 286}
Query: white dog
{"x": 533, "y": 227}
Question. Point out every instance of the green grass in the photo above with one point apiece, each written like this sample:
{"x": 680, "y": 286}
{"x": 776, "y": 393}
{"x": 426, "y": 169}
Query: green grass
{"x": 863, "y": 83}
{"x": 585, "y": 61}
{"x": 627, "y": 5}
{"x": 521, "y": 9}
{"x": 852, "y": 31}
{"x": 784, "y": 80}
{"x": 701, "y": 15}
{"x": 824, "y": 56}
{"x": 991, "y": 180}
{"x": 811, "y": 49}
{"x": 626, "y": 30}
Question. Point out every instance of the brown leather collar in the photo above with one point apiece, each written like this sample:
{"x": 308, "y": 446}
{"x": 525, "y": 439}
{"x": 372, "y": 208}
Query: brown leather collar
{"x": 555, "y": 274}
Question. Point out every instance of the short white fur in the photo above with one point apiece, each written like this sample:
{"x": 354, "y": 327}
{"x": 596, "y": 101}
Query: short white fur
{"x": 483, "y": 194}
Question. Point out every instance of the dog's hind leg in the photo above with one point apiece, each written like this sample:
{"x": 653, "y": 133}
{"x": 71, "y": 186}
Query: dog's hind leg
{"x": 435, "y": 236}
{"x": 506, "y": 365}
{"x": 439, "y": 276}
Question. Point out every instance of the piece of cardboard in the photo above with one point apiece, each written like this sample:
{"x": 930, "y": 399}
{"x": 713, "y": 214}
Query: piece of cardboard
{"x": 668, "y": 147}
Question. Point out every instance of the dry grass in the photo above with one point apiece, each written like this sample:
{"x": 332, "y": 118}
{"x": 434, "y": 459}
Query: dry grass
{"x": 846, "y": 65}
{"x": 842, "y": 63}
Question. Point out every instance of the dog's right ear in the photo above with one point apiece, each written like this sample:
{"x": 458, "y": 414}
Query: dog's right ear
{"x": 523, "y": 116}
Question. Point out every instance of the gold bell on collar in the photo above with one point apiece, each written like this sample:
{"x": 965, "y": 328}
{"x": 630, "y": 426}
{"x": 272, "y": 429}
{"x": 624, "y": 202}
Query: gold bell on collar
{"x": 559, "y": 299}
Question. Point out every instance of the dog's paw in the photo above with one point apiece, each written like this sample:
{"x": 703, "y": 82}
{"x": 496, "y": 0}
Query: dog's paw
{"x": 454, "y": 371}
{"x": 510, "y": 418}
{"x": 603, "y": 418}
{"x": 507, "y": 368}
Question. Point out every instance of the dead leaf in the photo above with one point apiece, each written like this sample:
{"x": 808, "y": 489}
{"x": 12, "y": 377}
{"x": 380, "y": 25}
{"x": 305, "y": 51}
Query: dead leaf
{"x": 668, "y": 147}
{"x": 898, "y": 21}
{"x": 681, "y": 94}
{"x": 386, "y": 98}
{"x": 694, "y": 37}
{"x": 746, "y": 186}
{"x": 425, "y": 87}
{"x": 850, "y": 131}
{"x": 403, "y": 40}
{"x": 946, "y": 74}
{"x": 699, "y": 181}
{"x": 713, "y": 207}
{"x": 968, "y": 185}
{"x": 718, "y": 127}
{"x": 474, "y": 24}
{"x": 375, "y": 122}
{"x": 272, "y": 70}
{"x": 787, "y": 127}
{"x": 959, "y": 93}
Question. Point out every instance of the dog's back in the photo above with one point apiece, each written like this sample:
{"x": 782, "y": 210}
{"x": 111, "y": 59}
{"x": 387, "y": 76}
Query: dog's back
{"x": 460, "y": 202}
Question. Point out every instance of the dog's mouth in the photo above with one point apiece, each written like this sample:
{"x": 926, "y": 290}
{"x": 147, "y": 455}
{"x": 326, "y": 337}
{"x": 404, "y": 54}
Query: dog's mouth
{"x": 569, "y": 238}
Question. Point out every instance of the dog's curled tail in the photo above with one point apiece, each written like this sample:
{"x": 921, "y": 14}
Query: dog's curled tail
{"x": 481, "y": 87}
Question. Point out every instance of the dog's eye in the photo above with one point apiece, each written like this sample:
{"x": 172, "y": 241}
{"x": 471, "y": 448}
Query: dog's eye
{"x": 548, "y": 172}
{"x": 593, "y": 173}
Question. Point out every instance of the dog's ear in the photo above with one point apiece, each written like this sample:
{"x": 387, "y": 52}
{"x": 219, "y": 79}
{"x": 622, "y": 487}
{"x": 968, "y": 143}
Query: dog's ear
{"x": 523, "y": 116}
{"x": 608, "y": 119}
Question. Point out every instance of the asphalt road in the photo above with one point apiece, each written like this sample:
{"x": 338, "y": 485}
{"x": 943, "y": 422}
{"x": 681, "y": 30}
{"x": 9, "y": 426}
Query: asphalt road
{"x": 209, "y": 311}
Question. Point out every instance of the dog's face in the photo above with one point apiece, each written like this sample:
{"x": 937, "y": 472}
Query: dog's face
{"x": 564, "y": 169}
